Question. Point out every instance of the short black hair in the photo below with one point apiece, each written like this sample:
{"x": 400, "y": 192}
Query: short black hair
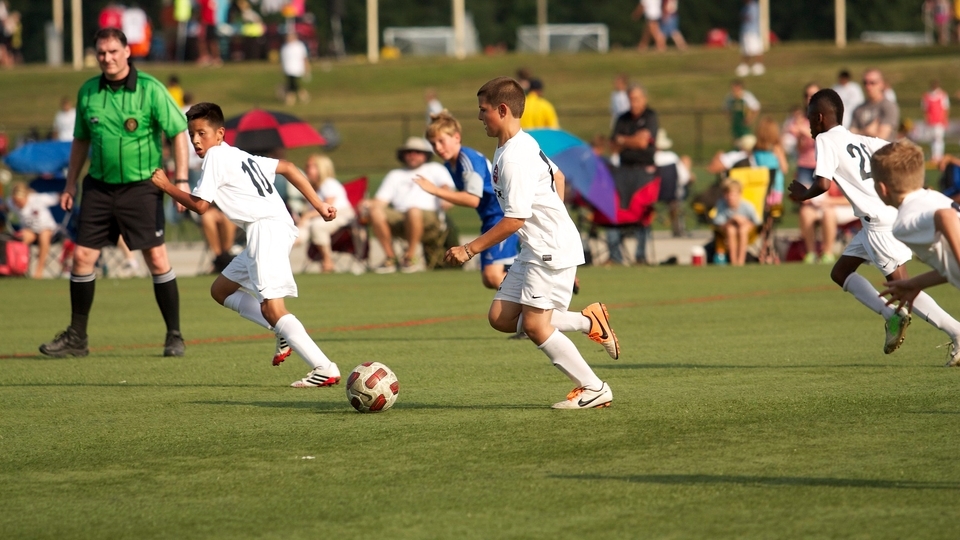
{"x": 110, "y": 33}
{"x": 211, "y": 112}
{"x": 828, "y": 100}
{"x": 844, "y": 74}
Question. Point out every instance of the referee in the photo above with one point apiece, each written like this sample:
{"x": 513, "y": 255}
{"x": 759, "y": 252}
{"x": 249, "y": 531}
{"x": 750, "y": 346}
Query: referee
{"x": 121, "y": 116}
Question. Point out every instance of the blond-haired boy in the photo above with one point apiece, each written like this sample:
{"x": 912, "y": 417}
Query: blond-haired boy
{"x": 927, "y": 222}
{"x": 537, "y": 290}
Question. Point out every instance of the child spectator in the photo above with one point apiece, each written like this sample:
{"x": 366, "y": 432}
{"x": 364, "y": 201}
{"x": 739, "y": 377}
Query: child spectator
{"x": 936, "y": 113}
{"x": 927, "y": 222}
{"x": 768, "y": 153}
{"x": 32, "y": 210}
{"x": 296, "y": 67}
{"x": 736, "y": 219}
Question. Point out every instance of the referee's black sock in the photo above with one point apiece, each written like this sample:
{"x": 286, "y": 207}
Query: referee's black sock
{"x": 168, "y": 299}
{"x": 81, "y": 300}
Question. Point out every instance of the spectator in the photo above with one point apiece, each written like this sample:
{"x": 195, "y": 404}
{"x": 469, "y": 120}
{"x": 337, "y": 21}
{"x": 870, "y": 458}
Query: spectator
{"x": 296, "y": 66}
{"x": 117, "y": 193}
{"x": 402, "y": 207}
{"x": 539, "y": 113}
{"x": 32, "y": 210}
{"x": 743, "y": 108}
{"x": 652, "y": 12}
{"x": 751, "y": 42}
{"x": 135, "y": 26}
{"x": 936, "y": 113}
{"x": 13, "y": 38}
{"x": 769, "y": 153}
{"x": 619, "y": 102}
{"x": 313, "y": 226}
{"x": 208, "y": 42}
{"x": 877, "y": 116}
{"x": 735, "y": 219}
{"x": 669, "y": 164}
{"x": 670, "y": 24}
{"x": 633, "y": 141}
{"x": 796, "y": 130}
{"x": 850, "y": 94}
{"x": 176, "y": 92}
{"x": 64, "y": 120}
{"x": 5, "y": 58}
{"x": 523, "y": 78}
{"x": 831, "y": 210}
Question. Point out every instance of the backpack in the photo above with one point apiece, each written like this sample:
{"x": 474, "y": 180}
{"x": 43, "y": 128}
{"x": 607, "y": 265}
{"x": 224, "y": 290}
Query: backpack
{"x": 14, "y": 258}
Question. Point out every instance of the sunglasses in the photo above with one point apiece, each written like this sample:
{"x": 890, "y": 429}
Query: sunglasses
{"x": 870, "y": 82}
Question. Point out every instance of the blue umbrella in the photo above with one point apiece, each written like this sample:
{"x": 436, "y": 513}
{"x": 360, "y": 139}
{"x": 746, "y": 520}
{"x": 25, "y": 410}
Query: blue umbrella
{"x": 43, "y": 157}
{"x": 584, "y": 171}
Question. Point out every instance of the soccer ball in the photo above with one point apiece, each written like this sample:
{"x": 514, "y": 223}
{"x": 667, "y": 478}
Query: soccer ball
{"x": 372, "y": 387}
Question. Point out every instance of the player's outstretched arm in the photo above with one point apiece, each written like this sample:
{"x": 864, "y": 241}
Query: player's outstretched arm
{"x": 293, "y": 175}
{"x": 188, "y": 200}
{"x": 800, "y": 192}
{"x": 904, "y": 291}
{"x": 498, "y": 233}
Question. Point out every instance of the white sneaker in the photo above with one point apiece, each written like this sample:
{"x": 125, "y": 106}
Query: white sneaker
{"x": 585, "y": 398}
{"x": 758, "y": 69}
{"x": 742, "y": 70}
{"x": 319, "y": 378}
{"x": 953, "y": 359}
{"x": 896, "y": 327}
{"x": 282, "y": 352}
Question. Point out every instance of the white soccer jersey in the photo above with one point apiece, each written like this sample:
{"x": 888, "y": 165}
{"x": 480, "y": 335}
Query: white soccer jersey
{"x": 241, "y": 185}
{"x": 524, "y": 185}
{"x": 914, "y": 227}
{"x": 35, "y": 214}
{"x": 844, "y": 157}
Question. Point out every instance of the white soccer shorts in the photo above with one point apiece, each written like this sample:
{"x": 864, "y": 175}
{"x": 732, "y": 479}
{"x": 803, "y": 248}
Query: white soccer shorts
{"x": 880, "y": 248}
{"x": 263, "y": 268}
{"x": 538, "y": 286}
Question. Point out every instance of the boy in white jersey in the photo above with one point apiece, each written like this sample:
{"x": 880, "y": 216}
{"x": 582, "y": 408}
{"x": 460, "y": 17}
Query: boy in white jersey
{"x": 844, "y": 158}
{"x": 243, "y": 188}
{"x": 927, "y": 222}
{"x": 536, "y": 291}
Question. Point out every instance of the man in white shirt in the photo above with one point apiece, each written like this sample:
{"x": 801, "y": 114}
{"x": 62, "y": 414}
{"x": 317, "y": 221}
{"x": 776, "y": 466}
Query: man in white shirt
{"x": 401, "y": 207}
{"x": 844, "y": 157}
{"x": 295, "y": 60}
{"x": 64, "y": 121}
{"x": 850, "y": 93}
{"x": 536, "y": 293}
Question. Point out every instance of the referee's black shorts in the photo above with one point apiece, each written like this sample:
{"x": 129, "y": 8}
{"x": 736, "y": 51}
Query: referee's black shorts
{"x": 109, "y": 210}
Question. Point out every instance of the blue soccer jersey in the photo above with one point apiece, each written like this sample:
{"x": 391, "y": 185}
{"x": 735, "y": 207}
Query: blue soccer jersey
{"x": 473, "y": 174}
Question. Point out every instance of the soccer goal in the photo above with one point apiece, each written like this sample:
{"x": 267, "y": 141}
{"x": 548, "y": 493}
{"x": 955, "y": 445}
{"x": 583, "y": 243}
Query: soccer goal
{"x": 565, "y": 37}
{"x": 431, "y": 40}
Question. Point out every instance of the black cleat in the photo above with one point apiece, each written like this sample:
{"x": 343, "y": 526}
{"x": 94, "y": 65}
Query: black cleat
{"x": 174, "y": 346}
{"x": 67, "y": 343}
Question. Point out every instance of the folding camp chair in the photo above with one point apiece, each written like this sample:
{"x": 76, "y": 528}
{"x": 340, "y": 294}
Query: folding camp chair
{"x": 635, "y": 197}
{"x": 350, "y": 240}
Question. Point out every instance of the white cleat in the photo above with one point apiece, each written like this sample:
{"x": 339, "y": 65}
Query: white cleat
{"x": 282, "y": 352}
{"x": 319, "y": 377}
{"x": 585, "y": 398}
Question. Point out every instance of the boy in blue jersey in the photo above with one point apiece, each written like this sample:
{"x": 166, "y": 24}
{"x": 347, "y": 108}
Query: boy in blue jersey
{"x": 471, "y": 173}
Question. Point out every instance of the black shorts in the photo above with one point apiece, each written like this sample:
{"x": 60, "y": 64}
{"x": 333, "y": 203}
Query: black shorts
{"x": 109, "y": 210}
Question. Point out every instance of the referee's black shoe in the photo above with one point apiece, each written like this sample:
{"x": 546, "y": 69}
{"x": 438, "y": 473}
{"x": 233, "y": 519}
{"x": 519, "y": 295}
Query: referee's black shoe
{"x": 67, "y": 343}
{"x": 173, "y": 346}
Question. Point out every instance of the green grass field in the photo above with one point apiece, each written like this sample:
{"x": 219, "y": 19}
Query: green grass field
{"x": 749, "y": 403}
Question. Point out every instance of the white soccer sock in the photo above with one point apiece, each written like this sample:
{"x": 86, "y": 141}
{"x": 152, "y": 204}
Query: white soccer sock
{"x": 564, "y": 321}
{"x": 247, "y": 307}
{"x": 928, "y": 309}
{"x": 569, "y": 321}
{"x": 565, "y": 356}
{"x": 296, "y": 335}
{"x": 862, "y": 290}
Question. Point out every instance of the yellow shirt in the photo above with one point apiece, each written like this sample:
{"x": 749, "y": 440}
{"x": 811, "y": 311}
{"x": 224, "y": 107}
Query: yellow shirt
{"x": 538, "y": 113}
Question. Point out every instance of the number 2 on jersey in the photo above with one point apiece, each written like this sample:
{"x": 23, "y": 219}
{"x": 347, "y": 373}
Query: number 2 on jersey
{"x": 257, "y": 177}
{"x": 864, "y": 155}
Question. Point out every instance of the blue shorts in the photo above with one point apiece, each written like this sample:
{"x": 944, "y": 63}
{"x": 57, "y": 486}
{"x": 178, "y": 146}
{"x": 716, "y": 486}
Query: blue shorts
{"x": 669, "y": 24}
{"x": 503, "y": 253}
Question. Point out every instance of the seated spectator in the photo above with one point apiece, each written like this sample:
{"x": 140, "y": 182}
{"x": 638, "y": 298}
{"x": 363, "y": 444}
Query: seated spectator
{"x": 678, "y": 170}
{"x": 735, "y": 219}
{"x": 831, "y": 210}
{"x": 37, "y": 225}
{"x": 313, "y": 227}
{"x": 400, "y": 207}
{"x": 768, "y": 153}
{"x": 742, "y": 156}
{"x": 64, "y": 121}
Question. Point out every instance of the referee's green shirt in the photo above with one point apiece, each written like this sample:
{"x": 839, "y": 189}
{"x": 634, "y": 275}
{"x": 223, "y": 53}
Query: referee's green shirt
{"x": 124, "y": 126}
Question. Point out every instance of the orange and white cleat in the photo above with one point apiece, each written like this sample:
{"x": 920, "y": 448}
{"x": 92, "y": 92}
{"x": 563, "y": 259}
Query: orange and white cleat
{"x": 600, "y": 330}
{"x": 282, "y": 352}
{"x": 585, "y": 398}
